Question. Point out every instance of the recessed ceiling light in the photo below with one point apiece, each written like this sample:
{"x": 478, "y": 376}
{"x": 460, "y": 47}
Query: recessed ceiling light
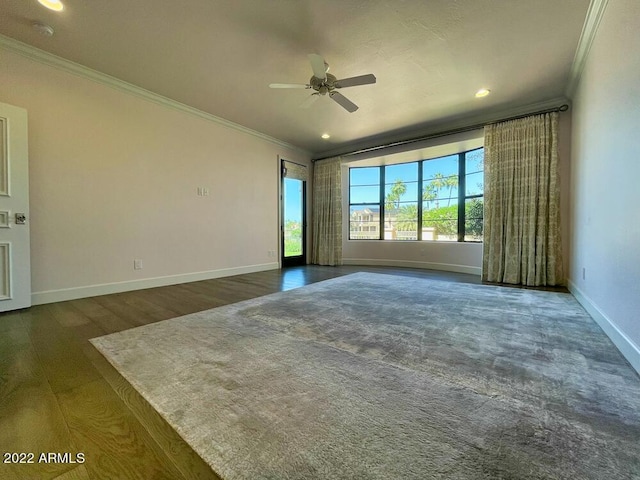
{"x": 326, "y": 135}
{"x": 55, "y": 5}
{"x": 483, "y": 92}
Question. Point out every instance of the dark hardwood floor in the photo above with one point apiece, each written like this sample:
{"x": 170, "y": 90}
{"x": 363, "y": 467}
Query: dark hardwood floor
{"x": 59, "y": 395}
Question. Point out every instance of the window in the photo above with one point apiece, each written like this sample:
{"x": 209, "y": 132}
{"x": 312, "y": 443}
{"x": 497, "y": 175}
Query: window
{"x": 473, "y": 195}
{"x": 440, "y": 199}
{"x": 364, "y": 212}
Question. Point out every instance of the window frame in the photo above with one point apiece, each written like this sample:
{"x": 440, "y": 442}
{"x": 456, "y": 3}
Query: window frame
{"x": 462, "y": 200}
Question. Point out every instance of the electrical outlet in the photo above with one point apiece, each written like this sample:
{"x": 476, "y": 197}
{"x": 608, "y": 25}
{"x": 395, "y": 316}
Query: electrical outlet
{"x": 137, "y": 264}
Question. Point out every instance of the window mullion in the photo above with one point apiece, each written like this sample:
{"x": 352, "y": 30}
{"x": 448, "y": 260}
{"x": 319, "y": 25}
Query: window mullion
{"x": 461, "y": 192}
{"x": 419, "y": 232}
{"x": 382, "y": 180}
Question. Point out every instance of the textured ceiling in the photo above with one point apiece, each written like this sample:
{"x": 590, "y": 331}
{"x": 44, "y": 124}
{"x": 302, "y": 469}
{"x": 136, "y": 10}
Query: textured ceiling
{"x": 429, "y": 57}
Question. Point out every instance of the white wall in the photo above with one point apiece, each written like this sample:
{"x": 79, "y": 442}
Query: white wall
{"x": 605, "y": 203}
{"x": 113, "y": 178}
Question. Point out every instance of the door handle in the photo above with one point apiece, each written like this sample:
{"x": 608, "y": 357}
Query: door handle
{"x": 21, "y": 219}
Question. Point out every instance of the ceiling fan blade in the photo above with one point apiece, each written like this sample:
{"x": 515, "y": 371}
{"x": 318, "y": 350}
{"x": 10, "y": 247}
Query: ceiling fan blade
{"x": 288, "y": 85}
{"x": 353, "y": 81}
{"x": 310, "y": 101}
{"x": 343, "y": 101}
{"x": 318, "y": 66}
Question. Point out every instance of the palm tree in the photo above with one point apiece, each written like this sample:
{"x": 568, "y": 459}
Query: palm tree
{"x": 437, "y": 183}
{"x": 429, "y": 194}
{"x": 398, "y": 189}
{"x": 408, "y": 218}
{"x": 392, "y": 200}
{"x": 451, "y": 181}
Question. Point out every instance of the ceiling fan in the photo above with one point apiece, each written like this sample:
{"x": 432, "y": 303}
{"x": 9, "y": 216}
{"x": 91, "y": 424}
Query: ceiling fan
{"x": 326, "y": 84}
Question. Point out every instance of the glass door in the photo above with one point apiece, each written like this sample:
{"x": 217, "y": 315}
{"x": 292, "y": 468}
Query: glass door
{"x": 293, "y": 219}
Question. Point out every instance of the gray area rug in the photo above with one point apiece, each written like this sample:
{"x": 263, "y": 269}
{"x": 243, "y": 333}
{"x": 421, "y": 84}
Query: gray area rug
{"x": 382, "y": 376}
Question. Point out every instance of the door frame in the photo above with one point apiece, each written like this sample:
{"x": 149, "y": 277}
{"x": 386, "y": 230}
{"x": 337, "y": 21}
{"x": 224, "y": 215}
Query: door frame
{"x": 299, "y": 259}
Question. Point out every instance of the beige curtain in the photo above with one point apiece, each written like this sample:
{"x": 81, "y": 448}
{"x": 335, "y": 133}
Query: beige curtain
{"x": 522, "y": 202}
{"x": 326, "y": 248}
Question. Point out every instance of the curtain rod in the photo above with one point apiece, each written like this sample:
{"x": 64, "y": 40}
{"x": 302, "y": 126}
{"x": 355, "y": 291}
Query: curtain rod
{"x": 562, "y": 108}
{"x": 295, "y": 163}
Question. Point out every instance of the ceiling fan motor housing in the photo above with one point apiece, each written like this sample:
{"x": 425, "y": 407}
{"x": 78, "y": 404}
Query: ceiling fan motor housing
{"x": 323, "y": 86}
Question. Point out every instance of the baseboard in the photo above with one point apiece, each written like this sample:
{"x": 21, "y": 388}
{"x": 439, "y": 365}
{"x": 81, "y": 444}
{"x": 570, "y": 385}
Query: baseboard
{"x": 51, "y": 296}
{"x": 627, "y": 347}
{"x": 446, "y": 267}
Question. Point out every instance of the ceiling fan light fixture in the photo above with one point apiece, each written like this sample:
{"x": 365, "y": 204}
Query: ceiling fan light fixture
{"x": 483, "y": 92}
{"x": 55, "y": 5}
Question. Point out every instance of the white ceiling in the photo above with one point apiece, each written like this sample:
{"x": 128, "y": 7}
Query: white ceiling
{"x": 219, "y": 56}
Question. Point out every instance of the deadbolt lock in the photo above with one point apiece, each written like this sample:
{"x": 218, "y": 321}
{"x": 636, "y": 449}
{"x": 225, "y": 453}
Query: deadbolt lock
{"x": 21, "y": 219}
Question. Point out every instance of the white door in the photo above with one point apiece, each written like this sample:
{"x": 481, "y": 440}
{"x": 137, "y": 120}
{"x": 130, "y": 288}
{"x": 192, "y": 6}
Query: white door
{"x": 15, "y": 265}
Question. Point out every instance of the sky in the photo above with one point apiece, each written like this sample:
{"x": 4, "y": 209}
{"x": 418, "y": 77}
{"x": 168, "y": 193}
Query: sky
{"x": 292, "y": 199}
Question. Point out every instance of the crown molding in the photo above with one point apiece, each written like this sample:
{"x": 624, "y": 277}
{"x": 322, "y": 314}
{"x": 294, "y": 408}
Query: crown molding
{"x": 589, "y": 30}
{"x": 68, "y": 66}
